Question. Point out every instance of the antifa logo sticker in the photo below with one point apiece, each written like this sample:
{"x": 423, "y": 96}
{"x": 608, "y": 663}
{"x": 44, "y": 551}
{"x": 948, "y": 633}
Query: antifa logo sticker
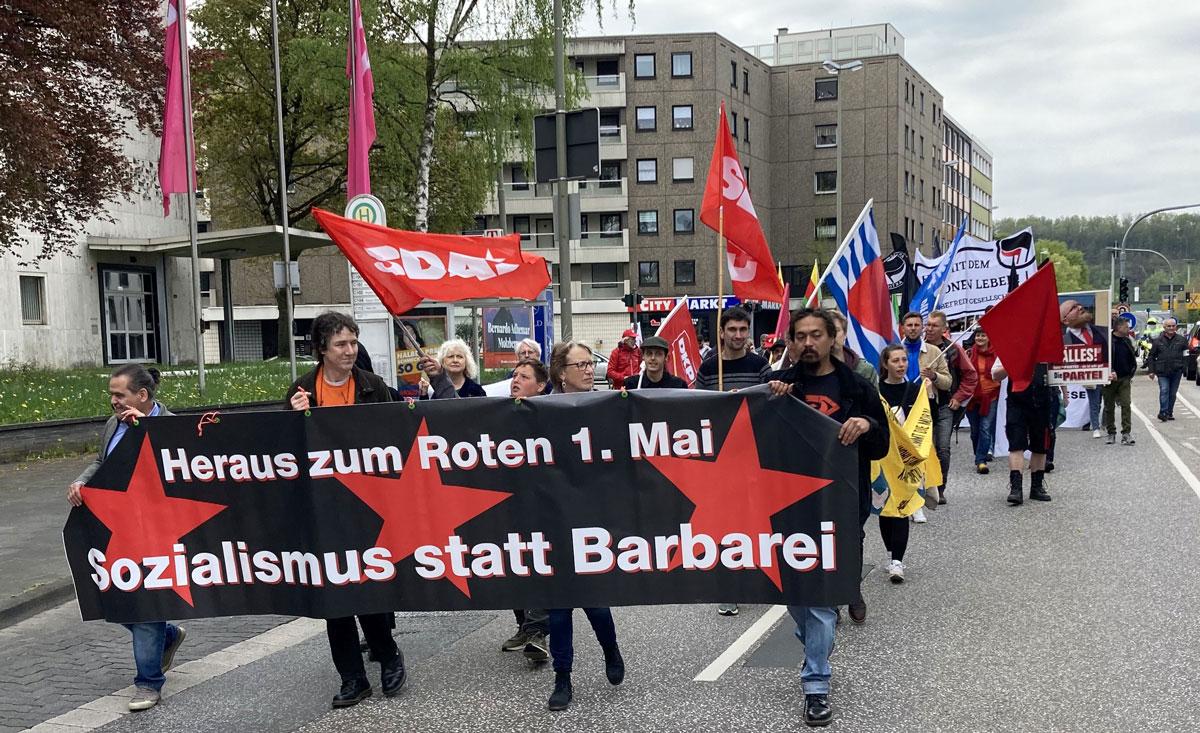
{"x": 1015, "y": 251}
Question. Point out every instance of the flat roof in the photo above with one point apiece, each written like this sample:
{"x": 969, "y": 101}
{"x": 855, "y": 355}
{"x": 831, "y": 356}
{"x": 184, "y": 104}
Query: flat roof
{"x": 232, "y": 244}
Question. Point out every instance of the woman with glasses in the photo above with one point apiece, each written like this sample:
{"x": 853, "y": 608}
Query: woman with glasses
{"x": 572, "y": 370}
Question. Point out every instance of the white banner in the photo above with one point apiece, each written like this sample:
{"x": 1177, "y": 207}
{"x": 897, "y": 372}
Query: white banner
{"x": 982, "y": 273}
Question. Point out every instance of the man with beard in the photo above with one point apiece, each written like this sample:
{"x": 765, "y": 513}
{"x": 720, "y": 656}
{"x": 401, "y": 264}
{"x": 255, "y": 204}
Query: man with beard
{"x": 828, "y": 385}
{"x": 1078, "y": 329}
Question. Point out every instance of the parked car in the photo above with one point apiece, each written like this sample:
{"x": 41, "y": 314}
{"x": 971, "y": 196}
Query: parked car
{"x": 1190, "y": 371}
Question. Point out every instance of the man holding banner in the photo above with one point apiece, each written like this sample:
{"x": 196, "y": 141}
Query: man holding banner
{"x": 831, "y": 388}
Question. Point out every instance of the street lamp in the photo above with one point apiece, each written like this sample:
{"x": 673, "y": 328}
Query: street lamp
{"x": 1121, "y": 250}
{"x": 1170, "y": 268}
{"x": 835, "y": 68}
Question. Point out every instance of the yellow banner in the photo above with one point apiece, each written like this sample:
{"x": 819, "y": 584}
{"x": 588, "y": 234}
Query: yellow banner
{"x": 910, "y": 462}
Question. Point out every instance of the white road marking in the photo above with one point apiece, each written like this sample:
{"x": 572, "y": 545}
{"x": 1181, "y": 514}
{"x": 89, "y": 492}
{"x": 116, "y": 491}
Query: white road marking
{"x": 749, "y": 637}
{"x": 104, "y": 710}
{"x": 1172, "y": 456}
{"x": 1191, "y": 447}
{"x": 1180, "y": 398}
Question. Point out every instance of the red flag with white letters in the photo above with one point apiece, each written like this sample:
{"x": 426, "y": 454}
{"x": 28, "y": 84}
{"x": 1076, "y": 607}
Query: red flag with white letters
{"x": 751, "y": 266}
{"x": 683, "y": 348}
{"x": 404, "y": 268}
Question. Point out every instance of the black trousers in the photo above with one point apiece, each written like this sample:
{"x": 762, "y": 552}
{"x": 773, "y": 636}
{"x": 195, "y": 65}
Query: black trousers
{"x": 894, "y": 531}
{"x": 343, "y": 642}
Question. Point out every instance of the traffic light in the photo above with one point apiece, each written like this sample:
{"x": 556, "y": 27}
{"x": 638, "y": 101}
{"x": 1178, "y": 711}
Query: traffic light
{"x": 1124, "y": 292}
{"x": 631, "y": 300}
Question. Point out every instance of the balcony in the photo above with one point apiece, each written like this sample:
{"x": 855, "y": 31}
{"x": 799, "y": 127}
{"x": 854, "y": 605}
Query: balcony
{"x": 600, "y": 291}
{"x": 591, "y": 247}
{"x": 595, "y": 195}
{"x": 606, "y": 90}
{"x": 612, "y": 142}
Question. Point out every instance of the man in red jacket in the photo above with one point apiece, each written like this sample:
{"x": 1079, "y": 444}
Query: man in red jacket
{"x": 625, "y": 360}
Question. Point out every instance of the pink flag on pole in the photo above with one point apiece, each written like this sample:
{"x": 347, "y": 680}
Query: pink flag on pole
{"x": 172, "y": 155}
{"x": 362, "y": 110}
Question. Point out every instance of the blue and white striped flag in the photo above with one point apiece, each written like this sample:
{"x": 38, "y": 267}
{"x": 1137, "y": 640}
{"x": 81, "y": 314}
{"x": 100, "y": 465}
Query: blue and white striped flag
{"x": 925, "y": 300}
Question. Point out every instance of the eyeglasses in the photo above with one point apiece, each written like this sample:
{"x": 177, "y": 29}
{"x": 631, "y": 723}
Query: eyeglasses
{"x": 583, "y": 366}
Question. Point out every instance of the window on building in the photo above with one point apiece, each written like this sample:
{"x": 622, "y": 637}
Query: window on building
{"x": 825, "y": 227}
{"x": 610, "y": 225}
{"x": 610, "y": 123}
{"x": 922, "y": 102}
{"x": 681, "y": 169}
{"x": 906, "y": 137}
{"x": 647, "y": 170}
{"x": 647, "y": 119}
{"x": 922, "y": 189}
{"x": 681, "y": 64}
{"x": 921, "y": 149}
{"x": 521, "y": 226}
{"x": 906, "y": 90}
{"x": 648, "y": 222}
{"x": 746, "y": 172}
{"x": 681, "y": 117}
{"x": 745, "y": 129}
{"x": 906, "y": 228}
{"x": 685, "y": 221}
{"x": 826, "y": 136}
{"x": 825, "y": 182}
{"x": 33, "y": 300}
{"x": 827, "y": 89}
{"x": 733, "y": 124}
{"x": 648, "y": 273}
{"x": 643, "y": 66}
{"x": 921, "y": 233}
{"x": 733, "y": 74}
{"x": 610, "y": 174}
{"x": 746, "y": 84}
{"x": 520, "y": 182}
{"x": 685, "y": 272}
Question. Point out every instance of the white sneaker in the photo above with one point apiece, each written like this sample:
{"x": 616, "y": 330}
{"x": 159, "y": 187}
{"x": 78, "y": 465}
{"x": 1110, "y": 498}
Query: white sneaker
{"x": 919, "y": 516}
{"x": 896, "y": 571}
{"x": 1096, "y": 433}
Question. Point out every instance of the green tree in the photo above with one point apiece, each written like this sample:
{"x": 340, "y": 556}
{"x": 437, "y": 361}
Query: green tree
{"x": 1069, "y": 267}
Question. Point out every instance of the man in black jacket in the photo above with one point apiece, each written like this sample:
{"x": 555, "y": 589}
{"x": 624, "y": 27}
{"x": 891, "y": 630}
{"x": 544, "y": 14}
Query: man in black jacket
{"x": 1165, "y": 363}
{"x": 1117, "y": 391}
{"x": 831, "y": 387}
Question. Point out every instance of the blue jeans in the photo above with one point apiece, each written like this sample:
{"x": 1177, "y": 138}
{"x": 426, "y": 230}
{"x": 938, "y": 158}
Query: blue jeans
{"x": 562, "y": 644}
{"x": 983, "y": 431}
{"x": 1093, "y": 394}
{"x": 149, "y": 641}
{"x": 1168, "y": 385}
{"x": 814, "y": 629}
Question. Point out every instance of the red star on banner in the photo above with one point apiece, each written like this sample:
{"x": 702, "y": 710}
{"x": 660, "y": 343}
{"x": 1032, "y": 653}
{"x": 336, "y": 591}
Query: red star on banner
{"x": 418, "y": 509}
{"x": 144, "y": 521}
{"x": 735, "y": 493}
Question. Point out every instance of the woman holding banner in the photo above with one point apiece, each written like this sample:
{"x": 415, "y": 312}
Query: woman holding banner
{"x": 900, "y": 395}
{"x": 572, "y": 370}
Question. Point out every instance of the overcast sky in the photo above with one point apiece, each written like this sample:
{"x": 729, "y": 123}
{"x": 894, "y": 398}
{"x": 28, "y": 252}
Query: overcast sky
{"x": 1089, "y": 106}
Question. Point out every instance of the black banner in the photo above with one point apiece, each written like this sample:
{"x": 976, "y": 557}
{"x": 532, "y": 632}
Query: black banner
{"x": 598, "y": 499}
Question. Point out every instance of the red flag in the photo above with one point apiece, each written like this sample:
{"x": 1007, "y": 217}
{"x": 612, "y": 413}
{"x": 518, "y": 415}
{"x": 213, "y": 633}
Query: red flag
{"x": 172, "y": 153}
{"x": 1024, "y": 327}
{"x": 683, "y": 356}
{"x": 785, "y": 313}
{"x": 362, "y": 109}
{"x": 404, "y": 268}
{"x": 751, "y": 267}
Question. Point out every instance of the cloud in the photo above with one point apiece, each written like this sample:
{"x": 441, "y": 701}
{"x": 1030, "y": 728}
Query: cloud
{"x": 1089, "y": 106}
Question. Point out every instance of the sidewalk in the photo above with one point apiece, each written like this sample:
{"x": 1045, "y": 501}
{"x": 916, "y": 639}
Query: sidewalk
{"x": 33, "y": 509}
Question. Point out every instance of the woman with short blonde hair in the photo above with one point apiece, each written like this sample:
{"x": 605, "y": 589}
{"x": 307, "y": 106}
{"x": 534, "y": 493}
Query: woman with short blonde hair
{"x": 455, "y": 357}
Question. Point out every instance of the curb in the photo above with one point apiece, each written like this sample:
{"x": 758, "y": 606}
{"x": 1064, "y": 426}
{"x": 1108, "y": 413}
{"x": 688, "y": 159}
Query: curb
{"x": 36, "y": 600}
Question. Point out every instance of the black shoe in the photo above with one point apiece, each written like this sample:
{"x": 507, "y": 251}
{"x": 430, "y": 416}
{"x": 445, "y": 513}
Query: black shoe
{"x": 858, "y": 611}
{"x": 1049, "y": 466}
{"x": 1016, "y": 493}
{"x": 537, "y": 649}
{"x": 1170, "y": 417}
{"x": 942, "y": 497}
{"x": 614, "y": 665}
{"x": 561, "y": 697}
{"x": 1161, "y": 417}
{"x": 1038, "y": 493}
{"x": 1112, "y": 439}
{"x": 353, "y": 692}
{"x": 817, "y": 712}
{"x": 393, "y": 674}
{"x": 1127, "y": 439}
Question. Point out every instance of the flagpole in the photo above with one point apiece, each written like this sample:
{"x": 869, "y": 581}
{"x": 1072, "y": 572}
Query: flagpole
{"x": 283, "y": 198}
{"x": 841, "y": 248}
{"x": 189, "y": 152}
{"x": 720, "y": 297}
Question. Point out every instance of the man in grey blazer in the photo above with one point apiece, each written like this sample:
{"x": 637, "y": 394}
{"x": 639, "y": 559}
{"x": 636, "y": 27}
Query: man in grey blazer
{"x": 131, "y": 391}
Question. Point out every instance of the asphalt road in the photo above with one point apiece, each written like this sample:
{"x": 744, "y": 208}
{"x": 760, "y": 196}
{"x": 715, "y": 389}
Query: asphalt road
{"x": 1077, "y": 615}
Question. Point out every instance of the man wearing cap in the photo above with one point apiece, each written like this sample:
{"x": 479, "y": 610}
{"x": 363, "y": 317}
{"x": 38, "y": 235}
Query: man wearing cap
{"x": 625, "y": 360}
{"x": 655, "y": 376}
